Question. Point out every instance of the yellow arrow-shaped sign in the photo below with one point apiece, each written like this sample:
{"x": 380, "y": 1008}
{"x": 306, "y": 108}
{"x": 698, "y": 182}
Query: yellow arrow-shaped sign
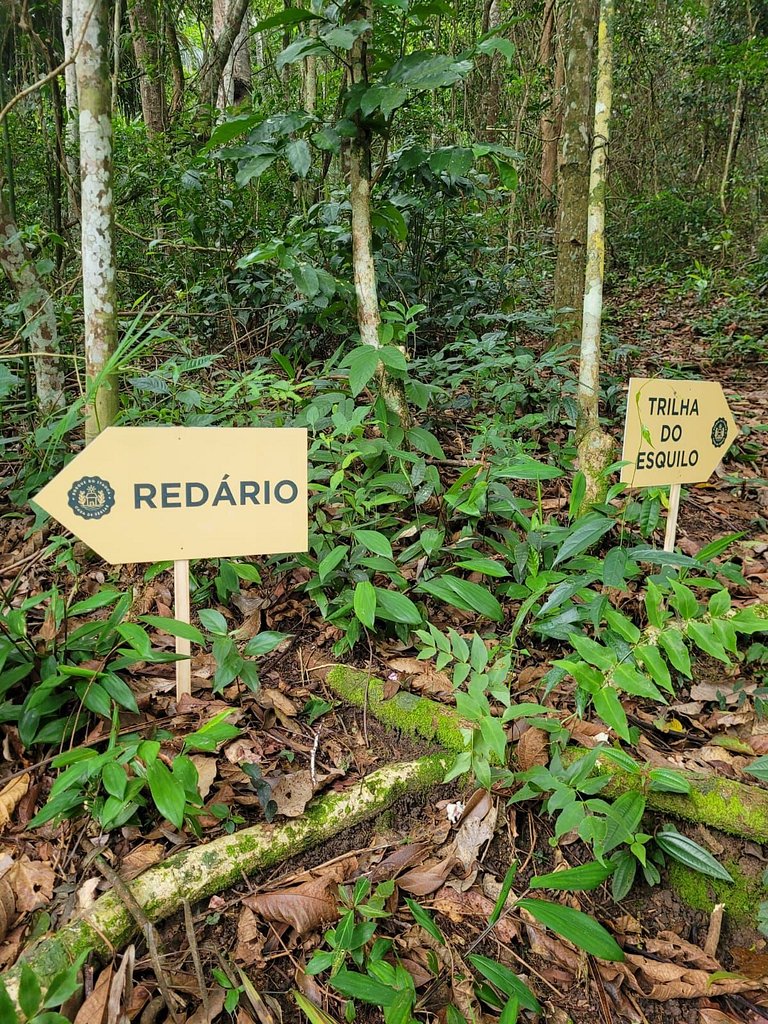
{"x": 149, "y": 494}
{"x": 676, "y": 431}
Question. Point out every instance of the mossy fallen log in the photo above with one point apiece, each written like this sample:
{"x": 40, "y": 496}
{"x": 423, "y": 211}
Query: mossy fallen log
{"x": 733, "y": 807}
{"x": 201, "y": 871}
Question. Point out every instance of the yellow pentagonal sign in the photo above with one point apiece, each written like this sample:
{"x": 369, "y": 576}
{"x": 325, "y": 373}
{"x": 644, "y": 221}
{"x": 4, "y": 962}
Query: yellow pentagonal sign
{"x": 150, "y": 494}
{"x": 676, "y": 431}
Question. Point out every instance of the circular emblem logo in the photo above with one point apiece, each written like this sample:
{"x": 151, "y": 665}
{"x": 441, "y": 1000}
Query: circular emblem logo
{"x": 91, "y": 497}
{"x": 719, "y": 432}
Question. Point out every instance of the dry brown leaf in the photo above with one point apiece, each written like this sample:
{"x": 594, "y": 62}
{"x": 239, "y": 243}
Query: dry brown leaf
{"x": 709, "y": 1015}
{"x": 32, "y": 881}
{"x": 424, "y": 880}
{"x": 476, "y": 830}
{"x": 533, "y": 749}
{"x": 141, "y": 858}
{"x": 10, "y": 795}
{"x": 7, "y": 907}
{"x": 292, "y": 793}
{"x": 86, "y": 894}
{"x": 94, "y": 1008}
{"x": 303, "y": 907}
{"x": 422, "y": 676}
{"x": 398, "y": 861}
{"x": 250, "y": 941}
{"x": 662, "y": 981}
{"x": 270, "y": 698}
{"x": 457, "y": 906}
{"x": 206, "y": 772}
{"x": 587, "y": 734}
{"x": 215, "y": 1006}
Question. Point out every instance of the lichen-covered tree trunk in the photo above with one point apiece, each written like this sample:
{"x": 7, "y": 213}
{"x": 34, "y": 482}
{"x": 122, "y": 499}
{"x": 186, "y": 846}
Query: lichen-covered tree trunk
{"x": 363, "y": 267}
{"x": 90, "y": 20}
{"x": 573, "y": 160}
{"x": 70, "y": 93}
{"x": 235, "y": 81}
{"x": 595, "y": 446}
{"x": 144, "y": 17}
{"x": 39, "y": 315}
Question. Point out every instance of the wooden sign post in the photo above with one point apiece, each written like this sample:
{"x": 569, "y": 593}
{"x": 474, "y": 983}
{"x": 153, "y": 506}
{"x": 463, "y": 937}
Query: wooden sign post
{"x": 676, "y": 432}
{"x": 148, "y": 494}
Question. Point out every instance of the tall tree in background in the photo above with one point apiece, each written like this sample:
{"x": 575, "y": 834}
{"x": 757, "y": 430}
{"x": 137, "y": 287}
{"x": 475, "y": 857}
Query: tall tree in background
{"x": 90, "y": 21}
{"x": 70, "y": 93}
{"x": 551, "y": 61}
{"x": 596, "y": 446}
{"x": 40, "y": 327}
{"x": 574, "y": 171}
{"x": 233, "y": 13}
{"x": 235, "y": 81}
{"x": 144, "y": 17}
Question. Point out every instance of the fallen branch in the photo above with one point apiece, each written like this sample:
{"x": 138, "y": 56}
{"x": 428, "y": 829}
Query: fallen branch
{"x": 733, "y": 807}
{"x": 193, "y": 874}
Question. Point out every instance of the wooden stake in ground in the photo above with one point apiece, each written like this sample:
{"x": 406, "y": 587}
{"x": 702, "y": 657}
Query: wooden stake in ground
{"x": 181, "y": 613}
{"x": 674, "y": 508}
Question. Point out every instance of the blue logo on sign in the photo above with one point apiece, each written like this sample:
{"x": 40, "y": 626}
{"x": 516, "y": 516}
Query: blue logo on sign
{"x": 91, "y": 497}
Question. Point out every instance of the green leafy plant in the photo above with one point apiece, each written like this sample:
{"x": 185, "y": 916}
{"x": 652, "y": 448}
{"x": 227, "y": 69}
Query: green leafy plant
{"x": 40, "y": 1004}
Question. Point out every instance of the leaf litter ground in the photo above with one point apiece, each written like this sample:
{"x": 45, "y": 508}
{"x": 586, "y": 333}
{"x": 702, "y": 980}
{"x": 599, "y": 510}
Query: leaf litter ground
{"x": 268, "y": 927}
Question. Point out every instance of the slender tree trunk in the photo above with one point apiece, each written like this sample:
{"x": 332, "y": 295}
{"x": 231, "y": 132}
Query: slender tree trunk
{"x": 39, "y": 315}
{"x": 211, "y": 72}
{"x": 595, "y": 446}
{"x": 99, "y": 295}
{"x": 70, "y": 131}
{"x": 550, "y": 49}
{"x": 309, "y": 76}
{"x": 145, "y": 31}
{"x": 177, "y": 66}
{"x": 574, "y": 172}
{"x": 364, "y": 270}
{"x": 739, "y": 108}
{"x": 117, "y": 20}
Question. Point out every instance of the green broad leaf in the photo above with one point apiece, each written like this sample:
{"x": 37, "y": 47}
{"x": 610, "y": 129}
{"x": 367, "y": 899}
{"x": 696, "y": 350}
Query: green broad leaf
{"x": 620, "y": 758}
{"x": 688, "y": 852}
{"x": 511, "y": 1012}
{"x": 94, "y": 697}
{"x": 593, "y": 653}
{"x": 507, "y": 172}
{"x": 582, "y": 536}
{"x": 506, "y": 887}
{"x": 299, "y": 157}
{"x": 684, "y": 601}
{"x": 168, "y": 796}
{"x": 7, "y": 1009}
{"x": 704, "y": 637}
{"x": 671, "y": 639}
{"x": 213, "y": 621}
{"x": 392, "y": 606}
{"x": 306, "y": 280}
{"x": 523, "y": 467}
{"x": 506, "y": 981}
{"x": 497, "y": 44}
{"x": 454, "y": 1016}
{"x": 311, "y": 1011}
{"x": 211, "y": 735}
{"x": 361, "y": 986}
{"x": 298, "y": 50}
{"x": 114, "y": 779}
{"x": 485, "y": 566}
{"x": 176, "y": 628}
{"x": 759, "y": 768}
{"x": 91, "y": 604}
{"x": 137, "y": 637}
{"x": 386, "y": 98}
{"x": 719, "y": 603}
{"x": 620, "y": 624}
{"x": 624, "y": 871}
{"x": 264, "y": 643}
{"x": 609, "y": 708}
{"x": 230, "y": 129}
{"x": 289, "y": 17}
{"x": 29, "y": 994}
{"x": 64, "y": 985}
{"x": 650, "y": 658}
{"x": 583, "y": 878}
{"x": 375, "y": 542}
{"x": 666, "y": 780}
{"x": 392, "y": 357}
{"x": 580, "y": 929}
{"x": 364, "y": 603}
{"x": 614, "y": 569}
{"x": 424, "y": 441}
{"x": 424, "y": 918}
{"x": 119, "y": 691}
{"x": 331, "y": 561}
{"x": 717, "y": 547}
{"x": 624, "y": 817}
{"x": 426, "y": 71}
{"x": 342, "y": 37}
{"x": 363, "y": 362}
{"x": 254, "y": 166}
{"x": 628, "y": 679}
{"x": 471, "y": 597}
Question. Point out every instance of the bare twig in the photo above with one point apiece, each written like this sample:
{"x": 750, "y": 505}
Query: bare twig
{"x": 189, "y": 927}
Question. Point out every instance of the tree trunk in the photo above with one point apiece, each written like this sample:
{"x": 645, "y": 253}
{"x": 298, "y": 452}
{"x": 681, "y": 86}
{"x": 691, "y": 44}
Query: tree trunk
{"x": 550, "y": 48}
{"x": 40, "y": 318}
{"x": 235, "y": 83}
{"x": 574, "y": 173}
{"x": 595, "y": 446}
{"x": 145, "y": 32}
{"x": 739, "y": 108}
{"x": 177, "y": 66}
{"x": 70, "y": 131}
{"x": 99, "y": 294}
{"x": 224, "y": 40}
{"x": 117, "y": 20}
{"x": 363, "y": 268}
